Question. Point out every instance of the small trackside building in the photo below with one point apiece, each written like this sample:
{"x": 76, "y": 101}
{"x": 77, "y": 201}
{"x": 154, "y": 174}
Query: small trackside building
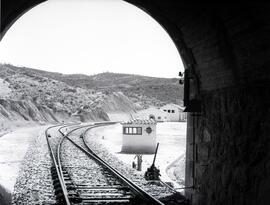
{"x": 139, "y": 137}
{"x": 152, "y": 113}
{"x": 175, "y": 112}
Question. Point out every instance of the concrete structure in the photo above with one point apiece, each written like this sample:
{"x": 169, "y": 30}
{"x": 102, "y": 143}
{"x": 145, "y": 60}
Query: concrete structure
{"x": 225, "y": 48}
{"x": 151, "y": 113}
{"x": 139, "y": 137}
{"x": 174, "y": 112}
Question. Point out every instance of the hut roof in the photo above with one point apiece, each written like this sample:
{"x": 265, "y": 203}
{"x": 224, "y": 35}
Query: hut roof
{"x": 177, "y": 106}
{"x": 140, "y": 122}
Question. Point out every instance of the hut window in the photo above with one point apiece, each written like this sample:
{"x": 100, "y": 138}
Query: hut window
{"x": 169, "y": 111}
{"x": 132, "y": 130}
{"x": 172, "y": 111}
{"x": 139, "y": 130}
{"x": 126, "y": 130}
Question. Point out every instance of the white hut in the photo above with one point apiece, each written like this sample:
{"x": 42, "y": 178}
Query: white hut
{"x": 152, "y": 113}
{"x": 175, "y": 112}
{"x": 139, "y": 137}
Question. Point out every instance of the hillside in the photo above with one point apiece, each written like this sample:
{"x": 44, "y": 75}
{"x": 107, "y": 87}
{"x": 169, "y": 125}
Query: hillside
{"x": 28, "y": 97}
{"x": 142, "y": 90}
{"x": 36, "y": 96}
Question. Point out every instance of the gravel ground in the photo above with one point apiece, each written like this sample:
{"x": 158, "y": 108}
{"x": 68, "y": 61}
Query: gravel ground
{"x": 86, "y": 172}
{"x": 34, "y": 184}
{"x": 14, "y": 146}
{"x": 82, "y": 169}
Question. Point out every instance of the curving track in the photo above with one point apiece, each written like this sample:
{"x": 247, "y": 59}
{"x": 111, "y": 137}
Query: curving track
{"x": 115, "y": 189}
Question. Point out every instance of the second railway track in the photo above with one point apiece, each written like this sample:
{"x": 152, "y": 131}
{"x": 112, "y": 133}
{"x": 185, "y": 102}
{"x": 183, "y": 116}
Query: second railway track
{"x": 82, "y": 177}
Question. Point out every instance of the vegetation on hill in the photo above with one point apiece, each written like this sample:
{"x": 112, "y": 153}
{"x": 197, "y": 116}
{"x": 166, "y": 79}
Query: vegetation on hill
{"x": 142, "y": 90}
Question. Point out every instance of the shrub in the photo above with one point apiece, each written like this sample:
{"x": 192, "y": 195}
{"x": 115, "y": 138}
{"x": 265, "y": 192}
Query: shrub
{"x": 7, "y": 80}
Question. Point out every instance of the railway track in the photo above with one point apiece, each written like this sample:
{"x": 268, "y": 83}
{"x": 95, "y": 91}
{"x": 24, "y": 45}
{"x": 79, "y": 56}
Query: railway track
{"x": 113, "y": 188}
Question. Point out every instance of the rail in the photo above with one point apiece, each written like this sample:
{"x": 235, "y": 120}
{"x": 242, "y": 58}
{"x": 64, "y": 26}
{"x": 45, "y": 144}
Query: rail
{"x": 59, "y": 175}
{"x": 139, "y": 191}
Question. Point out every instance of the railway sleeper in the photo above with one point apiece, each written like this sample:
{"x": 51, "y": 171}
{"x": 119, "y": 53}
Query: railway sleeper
{"x": 106, "y": 190}
{"x": 107, "y": 196}
{"x": 99, "y": 202}
{"x": 101, "y": 187}
{"x": 64, "y": 171}
{"x": 112, "y": 200}
{"x": 65, "y": 174}
{"x": 87, "y": 201}
{"x": 75, "y": 198}
{"x": 113, "y": 182}
{"x": 69, "y": 183}
{"x": 71, "y": 187}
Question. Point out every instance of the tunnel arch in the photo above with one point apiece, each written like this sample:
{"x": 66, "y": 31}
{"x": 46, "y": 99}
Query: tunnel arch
{"x": 226, "y": 47}
{"x": 10, "y": 15}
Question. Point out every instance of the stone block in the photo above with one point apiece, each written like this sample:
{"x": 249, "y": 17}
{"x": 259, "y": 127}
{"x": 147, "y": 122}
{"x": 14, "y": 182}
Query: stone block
{"x": 206, "y": 135}
{"x": 202, "y": 152}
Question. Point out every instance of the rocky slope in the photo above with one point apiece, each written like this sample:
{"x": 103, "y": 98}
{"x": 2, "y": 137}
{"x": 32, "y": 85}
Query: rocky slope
{"x": 30, "y": 97}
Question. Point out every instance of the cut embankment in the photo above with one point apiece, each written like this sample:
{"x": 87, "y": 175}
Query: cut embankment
{"x": 22, "y": 113}
{"x": 5, "y": 196}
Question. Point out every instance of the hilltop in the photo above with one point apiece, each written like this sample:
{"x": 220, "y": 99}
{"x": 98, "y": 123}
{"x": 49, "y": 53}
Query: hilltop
{"x": 142, "y": 90}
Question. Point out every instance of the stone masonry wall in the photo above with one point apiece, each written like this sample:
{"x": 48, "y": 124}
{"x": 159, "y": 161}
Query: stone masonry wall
{"x": 232, "y": 158}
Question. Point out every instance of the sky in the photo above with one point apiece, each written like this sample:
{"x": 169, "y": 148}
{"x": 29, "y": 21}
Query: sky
{"x": 90, "y": 37}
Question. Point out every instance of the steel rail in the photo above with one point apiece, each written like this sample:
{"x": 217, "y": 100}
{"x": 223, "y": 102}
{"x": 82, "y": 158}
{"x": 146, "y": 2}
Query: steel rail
{"x": 60, "y": 177}
{"x": 134, "y": 188}
{"x": 171, "y": 188}
{"x": 57, "y": 161}
{"x": 139, "y": 191}
{"x": 59, "y": 164}
{"x": 59, "y": 153}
